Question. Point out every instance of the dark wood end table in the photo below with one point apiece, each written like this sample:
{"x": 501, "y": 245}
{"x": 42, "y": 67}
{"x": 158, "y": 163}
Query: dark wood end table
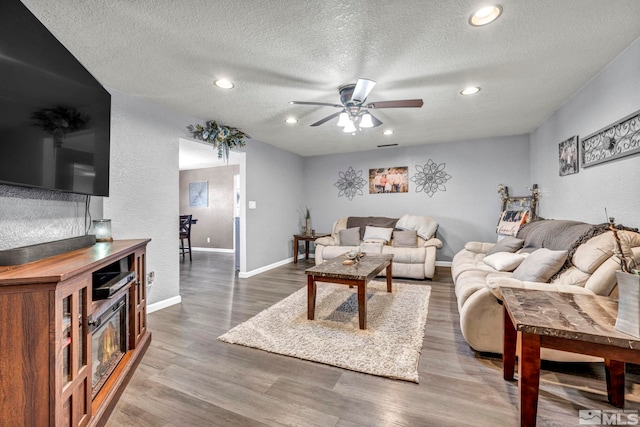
{"x": 576, "y": 323}
{"x": 306, "y": 238}
{"x": 359, "y": 275}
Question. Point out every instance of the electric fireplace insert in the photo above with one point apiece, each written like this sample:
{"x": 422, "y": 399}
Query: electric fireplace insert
{"x": 109, "y": 341}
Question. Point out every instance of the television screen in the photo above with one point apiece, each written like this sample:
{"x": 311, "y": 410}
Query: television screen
{"x": 54, "y": 115}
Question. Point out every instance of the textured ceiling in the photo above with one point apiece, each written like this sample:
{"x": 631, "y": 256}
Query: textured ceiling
{"x": 528, "y": 63}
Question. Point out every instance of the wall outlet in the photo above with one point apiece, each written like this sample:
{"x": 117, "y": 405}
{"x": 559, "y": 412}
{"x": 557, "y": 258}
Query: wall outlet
{"x": 252, "y": 204}
{"x": 208, "y": 239}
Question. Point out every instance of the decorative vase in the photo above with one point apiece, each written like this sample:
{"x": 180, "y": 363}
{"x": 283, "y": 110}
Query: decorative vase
{"x": 308, "y": 230}
{"x": 628, "y": 320}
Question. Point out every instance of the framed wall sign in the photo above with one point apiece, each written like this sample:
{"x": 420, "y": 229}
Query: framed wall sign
{"x": 618, "y": 140}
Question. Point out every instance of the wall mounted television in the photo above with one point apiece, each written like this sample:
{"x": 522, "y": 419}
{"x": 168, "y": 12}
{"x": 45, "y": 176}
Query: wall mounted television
{"x": 55, "y": 117}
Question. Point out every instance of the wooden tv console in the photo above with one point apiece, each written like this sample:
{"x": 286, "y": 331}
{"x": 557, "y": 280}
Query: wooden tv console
{"x": 46, "y": 309}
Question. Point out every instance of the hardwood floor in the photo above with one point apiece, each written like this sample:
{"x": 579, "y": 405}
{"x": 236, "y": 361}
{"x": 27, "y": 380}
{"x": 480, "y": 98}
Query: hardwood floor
{"x": 188, "y": 378}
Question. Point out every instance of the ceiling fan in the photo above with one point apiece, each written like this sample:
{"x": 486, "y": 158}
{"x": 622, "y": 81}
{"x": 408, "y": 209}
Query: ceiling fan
{"x": 354, "y": 111}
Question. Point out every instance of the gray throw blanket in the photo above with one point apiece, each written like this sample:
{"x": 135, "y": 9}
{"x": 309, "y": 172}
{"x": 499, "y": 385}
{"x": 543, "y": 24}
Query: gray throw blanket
{"x": 561, "y": 235}
{"x": 375, "y": 221}
{"x": 554, "y": 234}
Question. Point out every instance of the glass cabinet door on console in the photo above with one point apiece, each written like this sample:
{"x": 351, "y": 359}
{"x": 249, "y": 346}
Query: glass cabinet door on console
{"x": 72, "y": 376}
{"x": 138, "y": 299}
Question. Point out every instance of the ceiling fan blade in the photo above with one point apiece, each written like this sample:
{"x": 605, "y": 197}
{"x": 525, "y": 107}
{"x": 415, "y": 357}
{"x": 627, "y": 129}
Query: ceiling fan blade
{"x": 405, "y": 103}
{"x": 326, "y": 119}
{"x": 362, "y": 90}
{"x": 375, "y": 120}
{"x": 316, "y": 103}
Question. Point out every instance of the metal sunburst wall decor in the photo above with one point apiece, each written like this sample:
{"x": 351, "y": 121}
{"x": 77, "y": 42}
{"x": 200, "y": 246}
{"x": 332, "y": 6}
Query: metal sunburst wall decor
{"x": 431, "y": 178}
{"x": 350, "y": 183}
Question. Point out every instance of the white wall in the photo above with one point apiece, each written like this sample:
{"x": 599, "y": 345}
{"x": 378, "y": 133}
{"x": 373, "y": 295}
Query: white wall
{"x": 611, "y": 95}
{"x": 274, "y": 182}
{"x": 467, "y": 210}
{"x": 143, "y": 200}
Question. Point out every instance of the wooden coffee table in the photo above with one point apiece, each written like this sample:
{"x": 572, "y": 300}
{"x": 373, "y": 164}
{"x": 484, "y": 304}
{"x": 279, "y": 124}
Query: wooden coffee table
{"x": 576, "y": 323}
{"x": 359, "y": 275}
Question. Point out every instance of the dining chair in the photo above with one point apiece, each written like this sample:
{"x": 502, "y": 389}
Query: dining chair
{"x": 185, "y": 234}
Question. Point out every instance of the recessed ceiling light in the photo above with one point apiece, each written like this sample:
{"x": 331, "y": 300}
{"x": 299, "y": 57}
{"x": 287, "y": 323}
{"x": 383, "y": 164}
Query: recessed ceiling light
{"x": 485, "y": 15}
{"x": 291, "y": 120}
{"x": 224, "y": 84}
{"x": 388, "y": 132}
{"x": 470, "y": 90}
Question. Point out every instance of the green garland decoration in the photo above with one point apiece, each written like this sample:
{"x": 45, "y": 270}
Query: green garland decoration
{"x": 224, "y": 138}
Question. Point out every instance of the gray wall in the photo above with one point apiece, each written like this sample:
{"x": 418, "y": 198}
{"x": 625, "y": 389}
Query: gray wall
{"x": 143, "y": 200}
{"x": 274, "y": 181}
{"x": 611, "y": 95}
{"x": 467, "y": 210}
{"x": 215, "y": 221}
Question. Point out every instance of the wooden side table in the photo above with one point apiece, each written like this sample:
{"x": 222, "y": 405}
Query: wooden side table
{"x": 576, "y": 323}
{"x": 306, "y": 238}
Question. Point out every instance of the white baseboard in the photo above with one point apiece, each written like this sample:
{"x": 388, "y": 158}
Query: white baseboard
{"x": 226, "y": 251}
{"x": 265, "y": 268}
{"x": 163, "y": 304}
{"x": 443, "y": 263}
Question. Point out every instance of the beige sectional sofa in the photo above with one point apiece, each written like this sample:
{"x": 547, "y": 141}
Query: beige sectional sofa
{"x": 411, "y": 239}
{"x": 589, "y": 269}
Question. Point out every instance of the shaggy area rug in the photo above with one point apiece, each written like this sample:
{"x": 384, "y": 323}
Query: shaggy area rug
{"x": 389, "y": 347}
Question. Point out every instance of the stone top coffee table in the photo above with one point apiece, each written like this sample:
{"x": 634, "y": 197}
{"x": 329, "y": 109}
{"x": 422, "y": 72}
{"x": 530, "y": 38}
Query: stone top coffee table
{"x": 358, "y": 274}
{"x": 577, "y": 323}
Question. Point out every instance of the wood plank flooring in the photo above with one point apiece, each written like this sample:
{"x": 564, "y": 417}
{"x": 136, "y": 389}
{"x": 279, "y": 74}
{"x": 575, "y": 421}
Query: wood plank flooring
{"x": 188, "y": 378}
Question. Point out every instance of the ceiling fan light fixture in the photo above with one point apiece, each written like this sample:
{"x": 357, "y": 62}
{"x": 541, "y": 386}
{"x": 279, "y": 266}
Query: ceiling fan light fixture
{"x": 362, "y": 89}
{"x": 224, "y": 84}
{"x": 485, "y": 15}
{"x": 343, "y": 119}
{"x": 349, "y": 127}
{"x": 471, "y": 90}
{"x": 365, "y": 121}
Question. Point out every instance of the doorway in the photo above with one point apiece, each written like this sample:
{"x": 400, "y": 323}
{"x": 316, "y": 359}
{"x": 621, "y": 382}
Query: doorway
{"x": 211, "y": 190}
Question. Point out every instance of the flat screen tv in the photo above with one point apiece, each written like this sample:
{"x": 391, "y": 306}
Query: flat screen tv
{"x": 55, "y": 116}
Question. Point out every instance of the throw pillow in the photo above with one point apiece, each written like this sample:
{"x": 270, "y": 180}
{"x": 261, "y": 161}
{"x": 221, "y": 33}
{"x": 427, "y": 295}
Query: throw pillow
{"x": 405, "y": 239}
{"x": 377, "y": 233}
{"x": 510, "y": 222}
{"x": 506, "y": 244}
{"x": 504, "y": 261}
{"x": 540, "y": 265}
{"x": 350, "y": 236}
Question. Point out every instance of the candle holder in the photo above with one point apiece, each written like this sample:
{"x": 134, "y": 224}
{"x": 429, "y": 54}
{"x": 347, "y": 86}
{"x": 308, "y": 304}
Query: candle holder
{"x": 102, "y": 230}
